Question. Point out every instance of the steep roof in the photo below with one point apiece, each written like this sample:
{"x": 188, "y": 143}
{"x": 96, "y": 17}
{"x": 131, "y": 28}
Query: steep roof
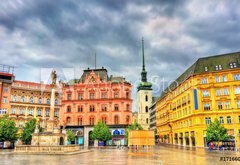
{"x": 209, "y": 63}
{"x": 101, "y": 72}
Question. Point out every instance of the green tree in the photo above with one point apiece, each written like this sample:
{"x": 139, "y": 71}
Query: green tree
{"x": 216, "y": 132}
{"x": 133, "y": 126}
{"x": 101, "y": 132}
{"x": 70, "y": 135}
{"x": 8, "y": 129}
{"x": 28, "y": 131}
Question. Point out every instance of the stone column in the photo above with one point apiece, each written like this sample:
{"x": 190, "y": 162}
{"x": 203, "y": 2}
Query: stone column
{"x": 50, "y": 122}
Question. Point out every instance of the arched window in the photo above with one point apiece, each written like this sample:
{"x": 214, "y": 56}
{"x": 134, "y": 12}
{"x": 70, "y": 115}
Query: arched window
{"x": 116, "y": 119}
{"x": 91, "y": 121}
{"x": 48, "y": 101}
{"x": 80, "y": 121}
{"x": 147, "y": 120}
{"x": 104, "y": 119}
{"x": 68, "y": 109}
{"x": 56, "y": 101}
{"x": 146, "y": 97}
{"x": 68, "y": 120}
{"x": 116, "y": 107}
{"x": 127, "y": 107}
{"x": 22, "y": 111}
{"x": 22, "y": 99}
{"x": 127, "y": 119}
{"x": 40, "y": 100}
{"x": 146, "y": 109}
{"x": 31, "y": 100}
{"x": 15, "y": 98}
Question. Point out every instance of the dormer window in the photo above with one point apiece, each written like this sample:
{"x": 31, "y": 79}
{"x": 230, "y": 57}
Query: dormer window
{"x": 216, "y": 67}
{"x": 234, "y": 65}
{"x": 220, "y": 67}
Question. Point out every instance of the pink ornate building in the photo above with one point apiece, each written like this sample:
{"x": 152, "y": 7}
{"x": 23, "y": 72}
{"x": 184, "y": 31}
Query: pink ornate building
{"x": 96, "y": 96}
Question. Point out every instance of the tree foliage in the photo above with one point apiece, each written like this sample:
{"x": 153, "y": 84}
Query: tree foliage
{"x": 8, "y": 129}
{"x": 70, "y": 135}
{"x": 133, "y": 126}
{"x": 28, "y": 131}
{"x": 216, "y": 132}
{"x": 101, "y": 132}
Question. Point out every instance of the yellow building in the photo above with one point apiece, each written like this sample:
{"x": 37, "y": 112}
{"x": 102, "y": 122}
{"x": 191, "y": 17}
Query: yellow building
{"x": 209, "y": 89}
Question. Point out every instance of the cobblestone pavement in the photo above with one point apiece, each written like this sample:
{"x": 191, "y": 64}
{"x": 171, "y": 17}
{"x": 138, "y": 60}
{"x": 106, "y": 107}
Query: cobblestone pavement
{"x": 160, "y": 155}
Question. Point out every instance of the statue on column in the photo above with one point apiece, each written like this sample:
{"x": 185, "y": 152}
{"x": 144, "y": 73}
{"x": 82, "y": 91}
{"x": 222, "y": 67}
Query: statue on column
{"x": 54, "y": 77}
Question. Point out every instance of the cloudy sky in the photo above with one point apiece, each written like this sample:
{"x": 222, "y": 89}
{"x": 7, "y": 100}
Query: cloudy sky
{"x": 38, "y": 34}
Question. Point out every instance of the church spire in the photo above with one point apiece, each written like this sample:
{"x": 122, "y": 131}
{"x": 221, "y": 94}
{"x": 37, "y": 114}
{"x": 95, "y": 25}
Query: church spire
{"x": 143, "y": 73}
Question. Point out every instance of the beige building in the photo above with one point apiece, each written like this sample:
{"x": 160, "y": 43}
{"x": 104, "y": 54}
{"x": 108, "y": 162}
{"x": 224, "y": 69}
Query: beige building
{"x": 144, "y": 96}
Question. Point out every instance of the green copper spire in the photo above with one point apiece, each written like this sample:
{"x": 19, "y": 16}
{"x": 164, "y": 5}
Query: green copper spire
{"x": 143, "y": 73}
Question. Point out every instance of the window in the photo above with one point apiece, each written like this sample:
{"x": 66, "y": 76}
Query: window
{"x": 40, "y": 100}
{"x": 146, "y": 98}
{"x": 5, "y": 89}
{"x": 104, "y": 107}
{"x": 204, "y": 80}
{"x": 238, "y": 119}
{"x": 127, "y": 107}
{"x": 233, "y": 65}
{"x": 30, "y": 111}
{"x": 56, "y": 101}
{"x": 80, "y": 121}
{"x": 39, "y": 112}
{"x": 22, "y": 99}
{"x": 224, "y": 78}
{"x": 91, "y": 120}
{"x": 220, "y": 67}
{"x": 116, "y": 120}
{"x": 4, "y": 100}
{"x": 147, "y": 120}
{"x": 227, "y": 105}
{"x": 80, "y": 96}
{"x": 55, "y": 113}
{"x": 116, "y": 94}
{"x": 92, "y": 95}
{"x": 218, "y": 92}
{"x": 221, "y": 120}
{"x": 3, "y": 111}
{"x": 237, "y": 90}
{"x": 48, "y": 101}
{"x": 146, "y": 109}
{"x": 229, "y": 120}
{"x": 21, "y": 111}
{"x": 104, "y": 95}
{"x": 116, "y": 107}
{"x": 68, "y": 109}
{"x": 92, "y": 108}
{"x": 236, "y": 77}
{"x": 47, "y": 112}
{"x": 217, "y": 79}
{"x": 225, "y": 90}
{"x": 127, "y": 95}
{"x": 208, "y": 120}
{"x": 31, "y": 100}
{"x": 238, "y": 104}
{"x": 104, "y": 119}
{"x": 14, "y": 98}
{"x": 206, "y": 106}
{"x": 13, "y": 111}
{"x": 69, "y": 96}
{"x": 80, "y": 108}
{"x": 205, "y": 93}
{"x": 219, "y": 105}
{"x": 216, "y": 67}
{"x": 127, "y": 119}
{"x": 68, "y": 120}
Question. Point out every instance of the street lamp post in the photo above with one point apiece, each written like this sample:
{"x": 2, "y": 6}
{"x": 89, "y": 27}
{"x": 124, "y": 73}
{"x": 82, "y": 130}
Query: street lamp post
{"x": 235, "y": 135}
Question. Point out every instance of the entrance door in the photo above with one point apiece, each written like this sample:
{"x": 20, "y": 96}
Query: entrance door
{"x": 90, "y": 142}
{"x": 61, "y": 141}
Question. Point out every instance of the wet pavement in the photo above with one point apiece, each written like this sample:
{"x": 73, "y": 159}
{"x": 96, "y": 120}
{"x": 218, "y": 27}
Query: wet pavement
{"x": 159, "y": 155}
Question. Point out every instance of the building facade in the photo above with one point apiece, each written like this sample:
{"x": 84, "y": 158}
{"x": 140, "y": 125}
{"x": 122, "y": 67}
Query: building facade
{"x": 96, "y": 96}
{"x": 209, "y": 89}
{"x": 144, "y": 97}
{"x": 152, "y": 109}
{"x": 23, "y": 100}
